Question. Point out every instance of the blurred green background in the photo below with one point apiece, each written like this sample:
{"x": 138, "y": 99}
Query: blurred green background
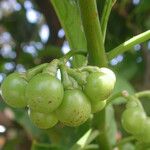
{"x": 30, "y": 34}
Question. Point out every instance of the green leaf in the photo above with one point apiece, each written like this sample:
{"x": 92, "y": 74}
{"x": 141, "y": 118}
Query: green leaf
{"x": 80, "y": 144}
{"x": 85, "y": 140}
{"x": 69, "y": 17}
{"x": 92, "y": 136}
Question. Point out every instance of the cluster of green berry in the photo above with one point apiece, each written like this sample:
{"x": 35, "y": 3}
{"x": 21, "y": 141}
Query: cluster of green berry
{"x": 135, "y": 120}
{"x": 70, "y": 100}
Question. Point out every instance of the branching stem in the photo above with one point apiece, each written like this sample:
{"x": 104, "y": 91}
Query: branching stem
{"x": 128, "y": 44}
{"x": 93, "y": 33}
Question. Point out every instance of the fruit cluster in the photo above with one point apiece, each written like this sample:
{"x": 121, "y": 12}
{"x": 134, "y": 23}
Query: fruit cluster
{"x": 70, "y": 100}
{"x": 135, "y": 120}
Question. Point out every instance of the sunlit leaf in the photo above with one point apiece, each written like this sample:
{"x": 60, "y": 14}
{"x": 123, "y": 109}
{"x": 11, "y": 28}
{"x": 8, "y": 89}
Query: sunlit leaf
{"x": 69, "y": 16}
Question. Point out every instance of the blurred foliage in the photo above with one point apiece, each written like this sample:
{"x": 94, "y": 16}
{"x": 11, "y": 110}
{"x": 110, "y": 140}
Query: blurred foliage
{"x": 23, "y": 45}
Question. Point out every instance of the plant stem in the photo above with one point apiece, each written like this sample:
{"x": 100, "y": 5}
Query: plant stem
{"x": 85, "y": 140}
{"x": 52, "y": 67}
{"x": 93, "y": 33}
{"x": 128, "y": 44}
{"x": 100, "y": 123}
{"x": 71, "y": 53}
{"x": 32, "y": 72}
{"x": 80, "y": 77}
{"x": 116, "y": 95}
{"x": 105, "y": 16}
{"x": 65, "y": 78}
{"x": 143, "y": 94}
{"x": 124, "y": 141}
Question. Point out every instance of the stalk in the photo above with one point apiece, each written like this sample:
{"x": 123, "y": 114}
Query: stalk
{"x": 97, "y": 57}
{"x": 128, "y": 44}
{"x": 105, "y": 16}
{"x": 93, "y": 33}
{"x": 143, "y": 94}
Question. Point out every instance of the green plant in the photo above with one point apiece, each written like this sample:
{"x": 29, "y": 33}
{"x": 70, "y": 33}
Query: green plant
{"x": 86, "y": 34}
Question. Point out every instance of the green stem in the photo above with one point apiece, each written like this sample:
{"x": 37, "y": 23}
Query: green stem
{"x": 93, "y": 33}
{"x": 52, "y": 67}
{"x": 89, "y": 69}
{"x": 69, "y": 82}
{"x": 124, "y": 141}
{"x": 32, "y": 72}
{"x": 71, "y": 53}
{"x": 124, "y": 94}
{"x": 99, "y": 122}
{"x": 80, "y": 77}
{"x": 97, "y": 57}
{"x": 65, "y": 78}
{"x": 143, "y": 94}
{"x": 105, "y": 16}
{"x": 128, "y": 44}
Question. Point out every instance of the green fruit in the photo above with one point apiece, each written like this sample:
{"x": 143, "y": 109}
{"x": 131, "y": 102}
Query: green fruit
{"x": 144, "y": 136}
{"x": 100, "y": 84}
{"x": 133, "y": 119}
{"x": 146, "y": 130}
{"x": 98, "y": 106}
{"x": 43, "y": 121}
{"x": 44, "y": 93}
{"x": 13, "y": 90}
{"x": 134, "y": 103}
{"x": 75, "y": 108}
